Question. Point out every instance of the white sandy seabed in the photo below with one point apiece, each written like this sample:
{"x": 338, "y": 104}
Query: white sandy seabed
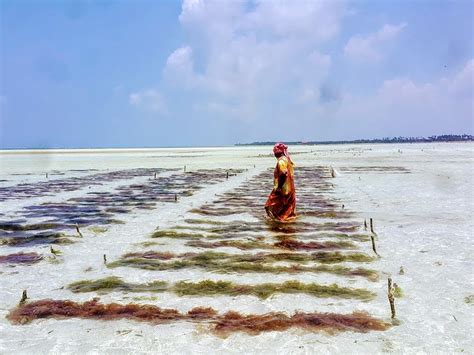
{"x": 424, "y": 221}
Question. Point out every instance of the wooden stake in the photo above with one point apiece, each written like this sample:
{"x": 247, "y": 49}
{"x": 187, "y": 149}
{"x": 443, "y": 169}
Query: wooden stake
{"x": 155, "y": 175}
{"x": 373, "y": 244}
{"x": 365, "y": 224}
{"x": 372, "y": 226}
{"x": 333, "y": 172}
{"x": 227, "y": 175}
{"x": 175, "y": 197}
{"x": 105, "y": 259}
{"x": 78, "y": 231}
{"x": 46, "y": 175}
{"x": 24, "y": 297}
{"x": 391, "y": 298}
{"x": 184, "y": 168}
{"x": 54, "y": 251}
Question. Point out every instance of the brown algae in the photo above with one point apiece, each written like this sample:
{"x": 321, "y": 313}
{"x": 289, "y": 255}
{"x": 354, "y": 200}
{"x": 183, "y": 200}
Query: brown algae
{"x": 225, "y": 324}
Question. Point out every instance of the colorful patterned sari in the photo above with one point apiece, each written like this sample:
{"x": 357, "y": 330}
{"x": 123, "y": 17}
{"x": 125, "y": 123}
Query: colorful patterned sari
{"x": 281, "y": 203}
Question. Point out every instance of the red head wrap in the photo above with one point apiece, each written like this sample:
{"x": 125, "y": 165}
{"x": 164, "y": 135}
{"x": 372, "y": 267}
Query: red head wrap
{"x": 281, "y": 148}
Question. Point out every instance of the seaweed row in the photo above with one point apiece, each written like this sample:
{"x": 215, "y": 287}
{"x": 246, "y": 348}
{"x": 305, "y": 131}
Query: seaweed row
{"x": 21, "y": 258}
{"x": 228, "y": 288}
{"x": 222, "y": 325}
{"x": 375, "y": 169}
{"x": 52, "y": 187}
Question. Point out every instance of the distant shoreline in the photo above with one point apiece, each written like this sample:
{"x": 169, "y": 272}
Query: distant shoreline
{"x": 447, "y": 138}
{"x": 104, "y": 150}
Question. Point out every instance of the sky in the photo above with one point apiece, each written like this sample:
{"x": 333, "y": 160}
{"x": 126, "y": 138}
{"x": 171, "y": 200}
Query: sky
{"x": 77, "y": 74}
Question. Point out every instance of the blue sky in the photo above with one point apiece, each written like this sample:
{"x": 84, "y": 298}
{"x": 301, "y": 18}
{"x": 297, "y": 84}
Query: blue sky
{"x": 172, "y": 73}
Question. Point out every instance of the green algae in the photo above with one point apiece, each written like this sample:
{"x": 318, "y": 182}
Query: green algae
{"x": 203, "y": 221}
{"x": 397, "y": 291}
{"x": 263, "y": 291}
{"x": 98, "y": 229}
{"x": 288, "y": 244}
{"x": 149, "y": 244}
{"x": 178, "y": 235}
{"x": 210, "y": 256}
{"x": 36, "y": 239}
{"x": 226, "y": 288}
{"x": 243, "y": 245}
{"x": 113, "y": 283}
{"x": 311, "y": 236}
{"x": 227, "y": 263}
{"x": 288, "y": 228}
{"x": 469, "y": 299}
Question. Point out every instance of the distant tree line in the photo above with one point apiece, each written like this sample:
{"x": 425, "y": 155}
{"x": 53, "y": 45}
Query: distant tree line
{"x": 440, "y": 138}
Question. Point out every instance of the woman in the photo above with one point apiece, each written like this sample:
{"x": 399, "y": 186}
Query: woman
{"x": 281, "y": 203}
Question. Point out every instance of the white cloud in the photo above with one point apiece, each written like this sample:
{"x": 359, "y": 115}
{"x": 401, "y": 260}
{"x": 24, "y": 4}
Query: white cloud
{"x": 251, "y": 53}
{"x": 370, "y": 47}
{"x": 402, "y": 106}
{"x": 179, "y": 68}
{"x": 149, "y": 100}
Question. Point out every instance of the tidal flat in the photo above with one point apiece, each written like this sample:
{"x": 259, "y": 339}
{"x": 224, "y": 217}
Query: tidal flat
{"x": 169, "y": 250}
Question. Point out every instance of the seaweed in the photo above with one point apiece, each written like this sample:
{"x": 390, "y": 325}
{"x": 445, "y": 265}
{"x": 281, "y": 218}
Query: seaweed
{"x": 228, "y": 263}
{"x": 353, "y": 236}
{"x": 209, "y": 288}
{"x": 329, "y": 322}
{"x": 98, "y": 229}
{"x": 178, "y": 235}
{"x": 243, "y": 245}
{"x": 289, "y": 244}
{"x": 211, "y": 256}
{"x": 97, "y": 210}
{"x": 27, "y": 239}
{"x": 292, "y": 244}
{"x": 21, "y": 258}
{"x": 288, "y": 228}
{"x": 223, "y": 325}
{"x": 397, "y": 291}
{"x": 116, "y": 284}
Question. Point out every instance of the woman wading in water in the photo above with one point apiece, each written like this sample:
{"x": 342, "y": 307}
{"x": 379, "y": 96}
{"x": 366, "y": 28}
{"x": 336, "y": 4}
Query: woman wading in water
{"x": 281, "y": 203}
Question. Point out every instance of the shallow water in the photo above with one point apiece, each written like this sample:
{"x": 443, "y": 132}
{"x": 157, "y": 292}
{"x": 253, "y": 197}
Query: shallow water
{"x": 420, "y": 196}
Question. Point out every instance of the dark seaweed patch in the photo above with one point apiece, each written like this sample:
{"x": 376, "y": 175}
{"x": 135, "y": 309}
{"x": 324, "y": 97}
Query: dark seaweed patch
{"x": 21, "y": 258}
{"x": 101, "y": 208}
{"x": 52, "y": 187}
